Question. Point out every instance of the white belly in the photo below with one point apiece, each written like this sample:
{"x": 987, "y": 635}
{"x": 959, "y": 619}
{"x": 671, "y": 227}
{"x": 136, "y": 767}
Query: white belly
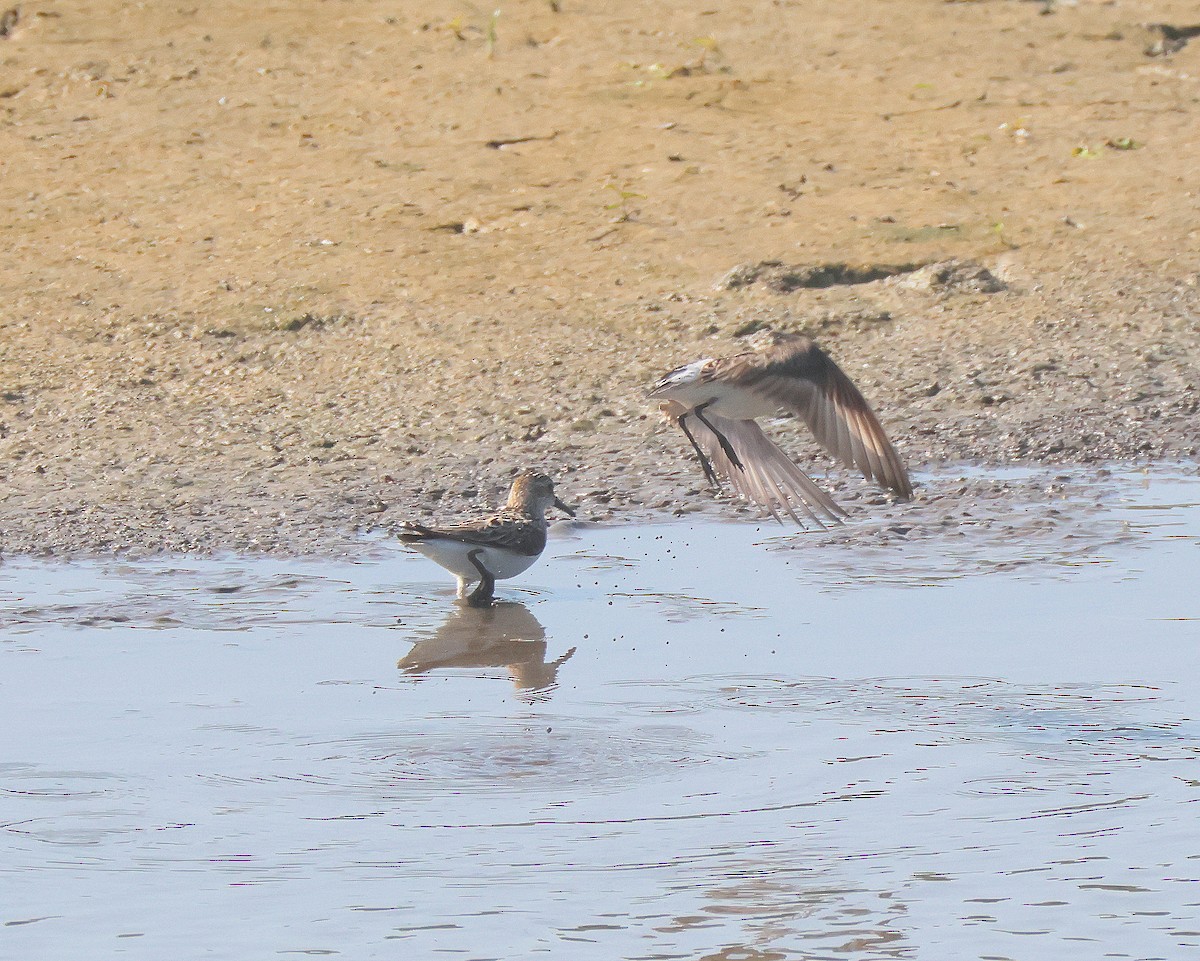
{"x": 722, "y": 400}
{"x": 453, "y": 556}
{"x": 742, "y": 404}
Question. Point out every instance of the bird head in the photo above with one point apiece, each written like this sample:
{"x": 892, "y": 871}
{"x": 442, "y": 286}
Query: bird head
{"x": 533, "y": 492}
{"x": 680, "y": 377}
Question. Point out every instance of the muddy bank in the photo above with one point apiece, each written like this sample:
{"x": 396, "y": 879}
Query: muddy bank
{"x": 278, "y": 277}
{"x": 298, "y": 441}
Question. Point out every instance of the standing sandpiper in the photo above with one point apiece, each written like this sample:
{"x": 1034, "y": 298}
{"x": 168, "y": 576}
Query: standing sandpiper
{"x": 496, "y": 547}
{"x": 715, "y": 403}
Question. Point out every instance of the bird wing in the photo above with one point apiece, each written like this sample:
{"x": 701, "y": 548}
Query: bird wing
{"x": 508, "y": 530}
{"x": 767, "y": 477}
{"x": 802, "y": 378}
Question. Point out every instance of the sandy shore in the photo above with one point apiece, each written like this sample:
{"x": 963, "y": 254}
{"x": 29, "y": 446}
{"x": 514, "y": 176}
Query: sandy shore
{"x": 274, "y": 277}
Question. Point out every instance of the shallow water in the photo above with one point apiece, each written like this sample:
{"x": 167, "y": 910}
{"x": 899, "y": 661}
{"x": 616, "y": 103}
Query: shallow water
{"x": 708, "y": 740}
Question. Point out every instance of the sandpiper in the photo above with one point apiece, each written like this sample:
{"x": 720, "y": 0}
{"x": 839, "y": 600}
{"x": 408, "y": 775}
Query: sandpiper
{"x": 496, "y": 547}
{"x": 715, "y": 403}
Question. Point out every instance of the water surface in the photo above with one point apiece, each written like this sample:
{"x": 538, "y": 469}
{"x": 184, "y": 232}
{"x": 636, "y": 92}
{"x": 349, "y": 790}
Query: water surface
{"x": 683, "y": 740}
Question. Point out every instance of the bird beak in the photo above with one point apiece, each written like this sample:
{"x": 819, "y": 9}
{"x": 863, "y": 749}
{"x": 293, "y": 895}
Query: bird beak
{"x": 563, "y": 507}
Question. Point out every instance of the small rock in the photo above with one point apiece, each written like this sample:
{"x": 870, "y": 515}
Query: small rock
{"x": 784, "y": 278}
{"x": 953, "y": 277}
{"x": 744, "y": 275}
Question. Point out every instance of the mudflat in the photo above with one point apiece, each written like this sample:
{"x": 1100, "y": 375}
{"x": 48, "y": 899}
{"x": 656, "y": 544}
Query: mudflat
{"x": 275, "y": 275}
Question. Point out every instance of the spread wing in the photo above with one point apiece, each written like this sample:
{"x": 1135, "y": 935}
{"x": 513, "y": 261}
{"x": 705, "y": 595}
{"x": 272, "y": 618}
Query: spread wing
{"x": 767, "y": 477}
{"x": 508, "y": 530}
{"x": 802, "y": 378}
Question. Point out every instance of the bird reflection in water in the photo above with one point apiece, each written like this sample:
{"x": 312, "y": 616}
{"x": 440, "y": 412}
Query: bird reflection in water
{"x": 504, "y": 635}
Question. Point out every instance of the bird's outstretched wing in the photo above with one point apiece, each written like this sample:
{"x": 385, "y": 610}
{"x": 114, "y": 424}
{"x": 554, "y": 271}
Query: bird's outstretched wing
{"x": 767, "y": 477}
{"x": 802, "y": 378}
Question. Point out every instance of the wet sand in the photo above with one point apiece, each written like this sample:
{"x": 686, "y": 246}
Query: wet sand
{"x": 275, "y": 277}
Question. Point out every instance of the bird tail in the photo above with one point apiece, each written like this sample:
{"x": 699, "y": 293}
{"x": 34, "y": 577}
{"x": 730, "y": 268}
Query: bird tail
{"x": 411, "y": 533}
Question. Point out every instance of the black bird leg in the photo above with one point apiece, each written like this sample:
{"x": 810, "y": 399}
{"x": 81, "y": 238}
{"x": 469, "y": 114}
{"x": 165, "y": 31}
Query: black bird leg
{"x": 721, "y": 438}
{"x": 709, "y": 473}
{"x": 485, "y": 593}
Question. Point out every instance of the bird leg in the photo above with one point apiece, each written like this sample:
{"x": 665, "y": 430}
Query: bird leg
{"x": 709, "y": 473}
{"x": 721, "y": 438}
{"x": 485, "y": 593}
